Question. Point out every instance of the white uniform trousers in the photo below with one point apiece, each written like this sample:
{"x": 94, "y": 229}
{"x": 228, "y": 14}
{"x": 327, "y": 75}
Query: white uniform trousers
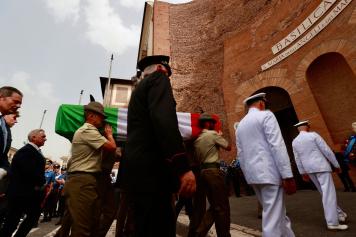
{"x": 323, "y": 181}
{"x": 275, "y": 222}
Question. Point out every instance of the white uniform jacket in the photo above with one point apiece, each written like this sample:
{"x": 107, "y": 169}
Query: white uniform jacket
{"x": 312, "y": 154}
{"x": 261, "y": 150}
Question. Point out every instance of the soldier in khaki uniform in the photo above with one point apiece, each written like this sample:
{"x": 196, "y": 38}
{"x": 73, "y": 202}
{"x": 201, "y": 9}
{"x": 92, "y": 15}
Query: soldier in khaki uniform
{"x": 84, "y": 168}
{"x": 212, "y": 178}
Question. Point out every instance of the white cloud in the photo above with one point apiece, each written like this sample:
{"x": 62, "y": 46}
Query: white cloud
{"x": 105, "y": 26}
{"x": 64, "y": 9}
{"x": 21, "y": 80}
{"x": 42, "y": 90}
{"x": 107, "y": 29}
{"x": 45, "y": 90}
{"x": 138, "y": 4}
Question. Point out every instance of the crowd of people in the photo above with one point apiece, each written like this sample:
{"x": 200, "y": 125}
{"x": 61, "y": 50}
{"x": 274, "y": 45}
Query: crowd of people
{"x": 157, "y": 168}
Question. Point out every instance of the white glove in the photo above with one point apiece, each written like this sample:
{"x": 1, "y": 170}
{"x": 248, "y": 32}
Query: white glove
{"x": 3, "y": 173}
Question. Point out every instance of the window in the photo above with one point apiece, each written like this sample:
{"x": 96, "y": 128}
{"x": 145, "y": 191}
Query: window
{"x": 121, "y": 95}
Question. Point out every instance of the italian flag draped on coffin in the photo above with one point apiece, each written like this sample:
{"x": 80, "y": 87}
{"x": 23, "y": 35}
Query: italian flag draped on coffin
{"x": 71, "y": 117}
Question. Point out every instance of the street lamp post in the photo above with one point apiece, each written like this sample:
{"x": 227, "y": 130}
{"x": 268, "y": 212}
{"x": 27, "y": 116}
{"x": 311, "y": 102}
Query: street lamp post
{"x": 80, "y": 97}
{"x": 44, "y": 112}
{"x": 107, "y": 96}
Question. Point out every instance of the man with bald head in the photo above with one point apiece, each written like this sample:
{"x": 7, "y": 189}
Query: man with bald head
{"x": 25, "y": 197}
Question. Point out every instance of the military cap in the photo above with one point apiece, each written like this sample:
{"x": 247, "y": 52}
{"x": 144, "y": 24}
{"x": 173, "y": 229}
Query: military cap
{"x": 256, "y": 97}
{"x": 155, "y": 59}
{"x": 56, "y": 166}
{"x": 95, "y": 107}
{"x": 302, "y": 123}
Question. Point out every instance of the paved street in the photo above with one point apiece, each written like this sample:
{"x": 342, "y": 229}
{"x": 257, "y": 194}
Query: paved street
{"x": 304, "y": 210}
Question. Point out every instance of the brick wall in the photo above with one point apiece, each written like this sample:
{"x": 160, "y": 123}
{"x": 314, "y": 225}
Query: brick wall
{"x": 218, "y": 47}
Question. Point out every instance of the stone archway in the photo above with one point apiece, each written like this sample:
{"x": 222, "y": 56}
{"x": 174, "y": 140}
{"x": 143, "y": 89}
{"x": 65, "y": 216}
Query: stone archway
{"x": 270, "y": 78}
{"x": 280, "y": 103}
{"x": 347, "y": 51}
{"x": 333, "y": 84}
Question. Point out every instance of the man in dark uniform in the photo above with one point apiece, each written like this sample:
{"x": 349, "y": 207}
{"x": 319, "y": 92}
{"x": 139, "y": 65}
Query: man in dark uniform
{"x": 25, "y": 197}
{"x": 157, "y": 165}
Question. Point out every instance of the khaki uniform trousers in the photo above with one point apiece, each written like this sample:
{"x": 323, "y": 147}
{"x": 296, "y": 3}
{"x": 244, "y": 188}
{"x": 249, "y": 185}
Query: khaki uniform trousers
{"x": 213, "y": 184}
{"x": 83, "y": 203}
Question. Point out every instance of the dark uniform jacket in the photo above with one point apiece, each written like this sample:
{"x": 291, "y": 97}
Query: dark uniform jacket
{"x": 27, "y": 173}
{"x": 154, "y": 155}
{"x": 4, "y": 162}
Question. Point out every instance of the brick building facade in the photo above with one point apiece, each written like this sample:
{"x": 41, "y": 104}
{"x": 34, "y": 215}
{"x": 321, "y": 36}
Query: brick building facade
{"x": 217, "y": 50}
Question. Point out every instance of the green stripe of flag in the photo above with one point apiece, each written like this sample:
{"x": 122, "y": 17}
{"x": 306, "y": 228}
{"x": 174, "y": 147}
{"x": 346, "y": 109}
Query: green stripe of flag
{"x": 71, "y": 117}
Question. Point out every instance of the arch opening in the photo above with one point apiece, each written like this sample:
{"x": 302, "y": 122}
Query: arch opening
{"x": 333, "y": 84}
{"x": 280, "y": 103}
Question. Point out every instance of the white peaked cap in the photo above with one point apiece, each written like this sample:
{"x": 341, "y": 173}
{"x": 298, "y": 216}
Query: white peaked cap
{"x": 302, "y": 123}
{"x": 259, "y": 95}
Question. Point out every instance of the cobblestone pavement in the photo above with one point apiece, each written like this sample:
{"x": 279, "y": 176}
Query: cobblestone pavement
{"x": 304, "y": 209}
{"x": 49, "y": 229}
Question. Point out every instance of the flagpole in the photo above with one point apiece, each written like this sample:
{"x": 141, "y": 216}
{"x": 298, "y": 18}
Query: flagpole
{"x": 107, "y": 96}
{"x": 44, "y": 112}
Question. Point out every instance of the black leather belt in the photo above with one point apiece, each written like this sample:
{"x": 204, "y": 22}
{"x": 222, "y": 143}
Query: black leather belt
{"x": 210, "y": 166}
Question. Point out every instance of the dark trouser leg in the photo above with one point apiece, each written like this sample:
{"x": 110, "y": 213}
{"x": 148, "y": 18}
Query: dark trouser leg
{"x": 16, "y": 208}
{"x": 218, "y": 199}
{"x": 199, "y": 207}
{"x": 179, "y": 206}
{"x": 66, "y": 224}
{"x": 154, "y": 215}
{"x": 236, "y": 183}
{"x": 61, "y": 206}
{"x": 121, "y": 214}
{"x": 32, "y": 211}
{"x": 108, "y": 207}
{"x": 349, "y": 181}
{"x": 344, "y": 181}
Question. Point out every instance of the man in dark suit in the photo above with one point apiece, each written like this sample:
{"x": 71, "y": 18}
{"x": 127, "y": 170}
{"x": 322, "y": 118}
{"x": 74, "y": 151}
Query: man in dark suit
{"x": 25, "y": 189}
{"x": 11, "y": 120}
{"x": 156, "y": 163}
{"x": 10, "y": 102}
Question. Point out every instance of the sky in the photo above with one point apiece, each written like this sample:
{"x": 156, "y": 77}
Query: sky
{"x": 53, "y": 49}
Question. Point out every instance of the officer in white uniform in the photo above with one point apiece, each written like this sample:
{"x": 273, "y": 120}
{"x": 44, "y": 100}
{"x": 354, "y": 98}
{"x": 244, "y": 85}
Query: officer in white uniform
{"x": 265, "y": 163}
{"x": 312, "y": 156}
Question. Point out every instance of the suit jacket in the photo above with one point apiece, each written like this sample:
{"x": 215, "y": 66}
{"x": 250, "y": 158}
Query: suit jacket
{"x": 4, "y": 161}
{"x": 261, "y": 150}
{"x": 154, "y": 155}
{"x": 312, "y": 154}
{"x": 27, "y": 172}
